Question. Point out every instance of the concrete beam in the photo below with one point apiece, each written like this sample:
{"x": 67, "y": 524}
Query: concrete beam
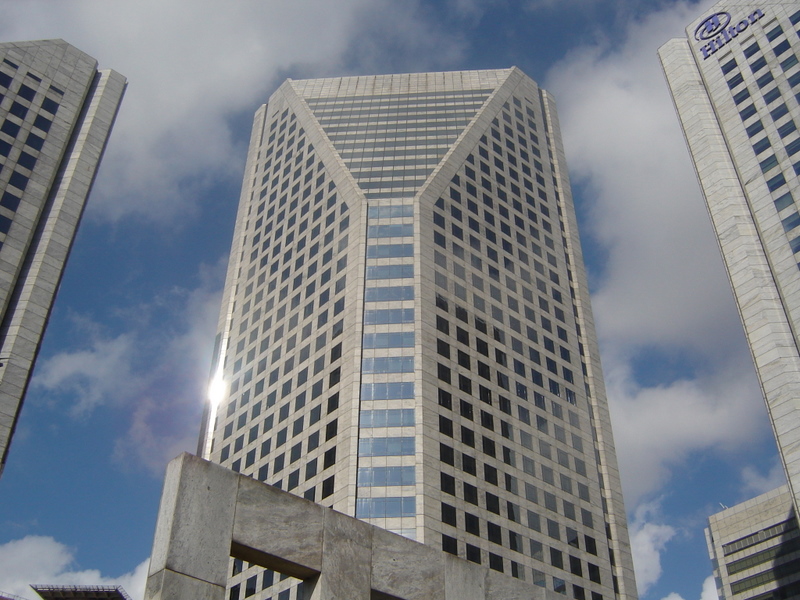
{"x": 209, "y": 514}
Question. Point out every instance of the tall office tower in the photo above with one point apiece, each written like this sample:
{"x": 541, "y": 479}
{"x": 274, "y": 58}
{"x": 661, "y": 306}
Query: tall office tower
{"x": 735, "y": 81}
{"x": 406, "y": 334}
{"x": 56, "y": 112}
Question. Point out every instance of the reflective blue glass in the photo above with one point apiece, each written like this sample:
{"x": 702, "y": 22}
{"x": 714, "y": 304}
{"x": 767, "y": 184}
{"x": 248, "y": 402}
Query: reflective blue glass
{"x": 390, "y": 251}
{"x": 388, "y": 446}
{"x": 396, "y": 230}
{"x": 390, "y": 272}
{"x": 398, "y": 390}
{"x": 388, "y": 315}
{"x": 379, "y": 508}
{"x": 389, "y": 293}
{"x": 388, "y": 364}
{"x": 391, "y": 417}
{"x": 398, "y": 339}
{"x": 385, "y": 476}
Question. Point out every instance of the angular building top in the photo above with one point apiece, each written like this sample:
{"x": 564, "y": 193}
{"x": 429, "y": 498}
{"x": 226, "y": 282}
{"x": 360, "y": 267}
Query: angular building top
{"x": 406, "y": 333}
{"x": 56, "y": 113}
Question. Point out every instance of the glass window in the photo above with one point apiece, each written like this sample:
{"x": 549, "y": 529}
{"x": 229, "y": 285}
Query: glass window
{"x": 391, "y": 271}
{"x": 378, "y": 508}
{"x": 400, "y": 339}
{"x": 390, "y": 251}
{"x": 384, "y": 231}
{"x": 388, "y": 294}
{"x": 385, "y": 476}
{"x": 755, "y": 128}
{"x": 388, "y": 212}
{"x": 787, "y": 128}
{"x": 392, "y": 417}
{"x": 388, "y": 316}
{"x": 388, "y": 446}
{"x": 388, "y": 364}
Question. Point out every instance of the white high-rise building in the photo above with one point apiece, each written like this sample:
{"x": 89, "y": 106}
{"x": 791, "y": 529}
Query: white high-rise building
{"x": 735, "y": 80}
{"x": 56, "y": 113}
{"x": 406, "y": 333}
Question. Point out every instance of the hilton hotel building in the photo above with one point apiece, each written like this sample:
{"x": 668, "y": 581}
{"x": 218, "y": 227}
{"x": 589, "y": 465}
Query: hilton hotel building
{"x": 735, "y": 81}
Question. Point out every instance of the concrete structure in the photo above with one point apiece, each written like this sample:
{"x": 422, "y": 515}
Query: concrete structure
{"x": 735, "y": 81}
{"x": 406, "y": 334}
{"x": 208, "y": 514}
{"x": 755, "y": 548}
{"x": 56, "y": 113}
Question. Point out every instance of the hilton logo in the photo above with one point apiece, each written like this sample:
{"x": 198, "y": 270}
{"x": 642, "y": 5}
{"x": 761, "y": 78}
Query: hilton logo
{"x": 718, "y": 31}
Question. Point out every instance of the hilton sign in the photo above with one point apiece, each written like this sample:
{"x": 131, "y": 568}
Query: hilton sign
{"x": 717, "y": 30}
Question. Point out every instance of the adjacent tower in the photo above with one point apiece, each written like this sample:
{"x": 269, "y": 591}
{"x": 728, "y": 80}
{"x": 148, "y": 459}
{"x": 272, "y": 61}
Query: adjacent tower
{"x": 406, "y": 334}
{"x": 735, "y": 81}
{"x": 56, "y": 113}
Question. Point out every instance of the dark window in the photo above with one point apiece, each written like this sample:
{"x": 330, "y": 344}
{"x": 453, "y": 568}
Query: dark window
{"x": 26, "y": 160}
{"x": 18, "y": 180}
{"x": 494, "y": 533}
{"x": 327, "y": 487}
{"x": 10, "y": 128}
{"x": 448, "y": 483}
{"x": 18, "y": 110}
{"x": 448, "y": 514}
{"x": 495, "y": 562}
{"x": 42, "y": 123}
{"x": 50, "y": 106}
{"x": 472, "y": 524}
{"x": 449, "y": 544}
{"x": 26, "y": 92}
{"x": 471, "y": 494}
{"x": 473, "y": 554}
{"x": 10, "y": 201}
{"x": 34, "y": 141}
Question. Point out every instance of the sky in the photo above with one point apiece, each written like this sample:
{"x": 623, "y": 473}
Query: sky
{"x": 119, "y": 384}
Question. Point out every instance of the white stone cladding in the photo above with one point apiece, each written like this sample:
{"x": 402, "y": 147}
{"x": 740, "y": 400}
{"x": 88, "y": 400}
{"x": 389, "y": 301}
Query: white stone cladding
{"x": 56, "y": 113}
{"x": 406, "y": 333}
{"x": 735, "y": 81}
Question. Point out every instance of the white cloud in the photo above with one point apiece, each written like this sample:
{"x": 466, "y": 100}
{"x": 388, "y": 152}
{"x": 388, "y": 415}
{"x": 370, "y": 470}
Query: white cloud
{"x": 755, "y": 483}
{"x": 155, "y": 371}
{"x": 648, "y": 541}
{"x": 95, "y": 375}
{"x": 194, "y": 65}
{"x": 663, "y": 289}
{"x": 657, "y": 429}
{"x": 709, "y": 591}
{"x": 43, "y": 560}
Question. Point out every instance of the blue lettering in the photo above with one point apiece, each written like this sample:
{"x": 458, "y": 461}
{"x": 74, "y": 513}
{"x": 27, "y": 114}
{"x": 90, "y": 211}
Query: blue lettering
{"x": 725, "y": 34}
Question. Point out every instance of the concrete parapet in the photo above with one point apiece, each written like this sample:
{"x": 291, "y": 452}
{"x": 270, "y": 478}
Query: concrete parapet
{"x": 209, "y": 514}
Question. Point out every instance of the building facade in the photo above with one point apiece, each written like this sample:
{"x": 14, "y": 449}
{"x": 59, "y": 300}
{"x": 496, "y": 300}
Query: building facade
{"x": 755, "y": 548}
{"x": 406, "y": 334}
{"x": 735, "y": 81}
{"x": 56, "y": 113}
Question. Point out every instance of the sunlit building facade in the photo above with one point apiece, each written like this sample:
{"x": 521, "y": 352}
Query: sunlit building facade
{"x": 56, "y": 113}
{"x": 406, "y": 334}
{"x": 735, "y": 80}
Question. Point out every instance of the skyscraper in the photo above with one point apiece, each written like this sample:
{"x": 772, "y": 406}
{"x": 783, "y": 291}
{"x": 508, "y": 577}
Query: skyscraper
{"x": 56, "y": 113}
{"x": 405, "y": 332}
{"x": 735, "y": 81}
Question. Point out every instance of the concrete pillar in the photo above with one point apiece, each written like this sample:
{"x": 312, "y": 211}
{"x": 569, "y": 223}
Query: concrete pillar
{"x": 191, "y": 548}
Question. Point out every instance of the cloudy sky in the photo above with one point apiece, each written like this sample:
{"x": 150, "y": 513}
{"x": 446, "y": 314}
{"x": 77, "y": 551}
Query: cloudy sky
{"x": 119, "y": 384}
